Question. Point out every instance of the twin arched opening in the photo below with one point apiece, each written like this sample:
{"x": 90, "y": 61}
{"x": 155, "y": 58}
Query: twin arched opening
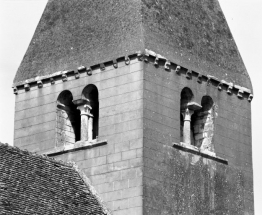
{"x": 196, "y": 121}
{"x": 77, "y": 119}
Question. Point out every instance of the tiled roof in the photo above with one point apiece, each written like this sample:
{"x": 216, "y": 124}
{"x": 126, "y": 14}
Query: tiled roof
{"x": 34, "y": 184}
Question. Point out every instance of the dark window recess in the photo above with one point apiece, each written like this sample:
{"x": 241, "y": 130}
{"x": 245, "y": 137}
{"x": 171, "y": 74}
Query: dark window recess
{"x": 90, "y": 93}
{"x": 68, "y": 120}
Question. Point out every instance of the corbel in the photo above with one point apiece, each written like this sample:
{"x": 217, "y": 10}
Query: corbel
{"x": 26, "y": 86}
{"x": 208, "y": 80}
{"x": 15, "y": 90}
{"x": 77, "y": 74}
{"x": 250, "y": 97}
{"x": 146, "y": 56}
{"x": 240, "y": 91}
{"x": 81, "y": 68}
{"x": 156, "y": 61}
{"x": 89, "y": 71}
{"x": 39, "y": 83}
{"x": 52, "y": 80}
{"x": 127, "y": 60}
{"x": 189, "y": 74}
{"x": 178, "y": 70}
{"x": 64, "y": 76}
{"x": 139, "y": 55}
{"x": 199, "y": 78}
{"x": 229, "y": 88}
{"x": 102, "y": 66}
{"x": 115, "y": 63}
{"x": 167, "y": 65}
{"x": 220, "y": 85}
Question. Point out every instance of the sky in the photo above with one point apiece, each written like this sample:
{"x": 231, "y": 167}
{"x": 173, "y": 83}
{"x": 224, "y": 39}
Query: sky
{"x": 18, "y": 21}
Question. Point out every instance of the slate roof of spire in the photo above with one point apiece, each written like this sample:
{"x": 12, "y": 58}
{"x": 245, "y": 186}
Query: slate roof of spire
{"x": 192, "y": 33}
{"x": 34, "y": 184}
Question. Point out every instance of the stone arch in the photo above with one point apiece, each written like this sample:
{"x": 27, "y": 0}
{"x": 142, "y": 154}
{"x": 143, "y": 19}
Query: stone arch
{"x": 67, "y": 120}
{"x": 186, "y": 97}
{"x": 203, "y": 124}
{"x": 91, "y": 94}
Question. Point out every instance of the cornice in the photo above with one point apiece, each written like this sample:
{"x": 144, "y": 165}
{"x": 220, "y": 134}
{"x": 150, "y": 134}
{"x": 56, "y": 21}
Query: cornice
{"x": 147, "y": 56}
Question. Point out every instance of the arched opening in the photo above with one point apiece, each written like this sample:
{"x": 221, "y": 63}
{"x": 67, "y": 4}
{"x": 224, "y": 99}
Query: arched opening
{"x": 90, "y": 93}
{"x": 68, "y": 120}
{"x": 185, "y": 99}
{"x": 203, "y": 124}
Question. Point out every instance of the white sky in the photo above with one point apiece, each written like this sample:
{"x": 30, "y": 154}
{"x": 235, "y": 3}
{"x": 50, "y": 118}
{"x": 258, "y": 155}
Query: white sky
{"x": 18, "y": 21}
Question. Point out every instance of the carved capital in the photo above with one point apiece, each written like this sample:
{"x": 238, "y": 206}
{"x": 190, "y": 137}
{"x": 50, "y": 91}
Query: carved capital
{"x": 187, "y": 114}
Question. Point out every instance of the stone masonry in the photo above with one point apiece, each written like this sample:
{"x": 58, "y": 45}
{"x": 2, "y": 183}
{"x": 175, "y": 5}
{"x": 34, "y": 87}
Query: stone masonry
{"x": 155, "y": 150}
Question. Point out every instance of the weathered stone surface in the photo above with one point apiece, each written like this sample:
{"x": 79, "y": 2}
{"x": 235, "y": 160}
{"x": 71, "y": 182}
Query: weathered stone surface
{"x": 192, "y": 33}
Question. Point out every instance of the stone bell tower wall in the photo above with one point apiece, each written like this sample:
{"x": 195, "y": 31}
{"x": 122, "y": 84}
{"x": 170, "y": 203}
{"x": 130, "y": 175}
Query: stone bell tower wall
{"x": 180, "y": 180}
{"x": 114, "y": 166}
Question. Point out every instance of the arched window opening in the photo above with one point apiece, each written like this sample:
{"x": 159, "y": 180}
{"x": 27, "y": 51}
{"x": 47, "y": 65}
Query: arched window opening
{"x": 68, "y": 120}
{"x": 203, "y": 124}
{"x": 187, "y": 109}
{"x": 89, "y": 108}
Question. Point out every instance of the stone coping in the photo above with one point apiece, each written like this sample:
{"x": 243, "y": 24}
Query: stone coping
{"x": 147, "y": 56}
{"x": 203, "y": 153}
{"x": 79, "y": 145}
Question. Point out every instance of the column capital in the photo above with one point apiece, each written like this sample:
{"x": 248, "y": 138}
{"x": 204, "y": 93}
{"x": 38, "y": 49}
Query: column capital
{"x": 80, "y": 102}
{"x": 187, "y": 113}
{"x": 84, "y": 106}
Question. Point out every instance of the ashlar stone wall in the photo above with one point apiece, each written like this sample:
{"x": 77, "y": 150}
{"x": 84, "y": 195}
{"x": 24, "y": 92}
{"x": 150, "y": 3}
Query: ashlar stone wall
{"x": 115, "y": 168}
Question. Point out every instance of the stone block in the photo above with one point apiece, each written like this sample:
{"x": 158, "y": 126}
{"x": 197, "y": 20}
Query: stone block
{"x": 107, "y": 149}
{"x": 135, "y": 182}
{"x": 121, "y": 165}
{"x": 132, "y": 192}
{"x": 105, "y": 188}
{"x": 138, "y": 143}
{"x": 121, "y": 184}
{"x": 133, "y": 211}
{"x": 122, "y": 70}
{"x": 122, "y": 146}
{"x": 135, "y": 201}
{"x": 113, "y": 176}
{"x": 108, "y": 83}
{"x": 130, "y": 135}
{"x": 106, "y": 93}
{"x": 136, "y": 67}
{"x": 126, "y": 155}
{"x": 107, "y": 74}
{"x": 114, "y": 157}
{"x": 121, "y": 204}
{"x": 128, "y": 173}
{"x": 96, "y": 170}
{"x": 112, "y": 196}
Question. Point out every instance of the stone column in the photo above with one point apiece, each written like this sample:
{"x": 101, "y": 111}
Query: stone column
{"x": 187, "y": 113}
{"x": 187, "y": 125}
{"x": 90, "y": 126}
{"x": 86, "y": 119}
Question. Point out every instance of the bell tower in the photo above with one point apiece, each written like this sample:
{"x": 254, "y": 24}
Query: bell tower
{"x": 150, "y": 98}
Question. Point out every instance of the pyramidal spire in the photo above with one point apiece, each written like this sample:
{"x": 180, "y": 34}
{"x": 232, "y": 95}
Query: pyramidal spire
{"x": 193, "y": 34}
